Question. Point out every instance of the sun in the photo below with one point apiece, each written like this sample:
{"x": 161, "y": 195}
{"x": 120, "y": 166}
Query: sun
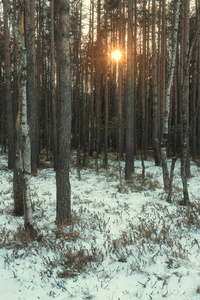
{"x": 116, "y": 54}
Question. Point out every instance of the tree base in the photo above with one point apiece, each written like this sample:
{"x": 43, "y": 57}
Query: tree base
{"x": 184, "y": 203}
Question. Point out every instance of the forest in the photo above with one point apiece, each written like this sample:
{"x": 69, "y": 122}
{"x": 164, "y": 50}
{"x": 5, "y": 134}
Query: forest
{"x": 108, "y": 90}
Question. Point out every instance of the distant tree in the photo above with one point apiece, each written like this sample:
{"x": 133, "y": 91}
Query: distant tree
{"x": 106, "y": 88}
{"x": 120, "y": 88}
{"x": 163, "y": 58}
{"x": 91, "y": 44}
{"x": 129, "y": 97}
{"x": 155, "y": 136}
{"x": 194, "y": 102}
{"x": 144, "y": 111}
{"x": 15, "y": 80}
{"x": 98, "y": 72}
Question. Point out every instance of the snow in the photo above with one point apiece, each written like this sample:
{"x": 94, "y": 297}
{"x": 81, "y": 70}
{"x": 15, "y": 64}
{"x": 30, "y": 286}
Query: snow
{"x": 124, "y": 242}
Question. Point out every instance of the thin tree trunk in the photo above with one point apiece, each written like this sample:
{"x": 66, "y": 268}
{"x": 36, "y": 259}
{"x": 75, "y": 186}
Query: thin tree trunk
{"x": 31, "y": 84}
{"x": 185, "y": 53}
{"x": 10, "y": 125}
{"x": 106, "y": 90}
{"x": 167, "y": 99}
{"x": 130, "y": 97}
{"x": 143, "y": 85}
{"x": 39, "y": 64}
{"x": 163, "y": 66}
{"x": 15, "y": 80}
{"x": 53, "y": 96}
{"x": 98, "y": 87}
{"x": 194, "y": 105}
{"x": 119, "y": 90}
{"x": 154, "y": 91}
{"x": 92, "y": 82}
{"x": 169, "y": 198}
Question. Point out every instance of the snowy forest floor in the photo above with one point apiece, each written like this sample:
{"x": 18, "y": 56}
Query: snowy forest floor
{"x": 125, "y": 242}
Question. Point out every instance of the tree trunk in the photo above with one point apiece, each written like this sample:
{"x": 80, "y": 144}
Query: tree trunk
{"x": 8, "y": 100}
{"x": 185, "y": 55}
{"x": 198, "y": 101}
{"x": 32, "y": 100}
{"x": 52, "y": 88}
{"x": 106, "y": 90}
{"x": 119, "y": 90}
{"x": 163, "y": 65}
{"x": 167, "y": 99}
{"x": 92, "y": 82}
{"x": 98, "y": 86}
{"x": 143, "y": 86}
{"x": 194, "y": 104}
{"x": 15, "y": 80}
{"x": 155, "y": 138}
{"x": 130, "y": 97}
{"x": 64, "y": 120}
{"x": 23, "y": 161}
{"x": 185, "y": 111}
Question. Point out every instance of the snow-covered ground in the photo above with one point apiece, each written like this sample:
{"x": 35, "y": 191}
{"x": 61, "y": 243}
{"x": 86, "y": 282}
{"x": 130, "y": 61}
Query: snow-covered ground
{"x": 125, "y": 242}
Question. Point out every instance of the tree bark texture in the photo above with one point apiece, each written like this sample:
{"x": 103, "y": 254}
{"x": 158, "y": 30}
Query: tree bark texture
{"x": 64, "y": 120}
{"x": 23, "y": 161}
{"x": 155, "y": 137}
{"x": 185, "y": 112}
{"x": 32, "y": 99}
{"x": 8, "y": 100}
{"x": 130, "y": 97}
{"x": 53, "y": 91}
{"x": 167, "y": 98}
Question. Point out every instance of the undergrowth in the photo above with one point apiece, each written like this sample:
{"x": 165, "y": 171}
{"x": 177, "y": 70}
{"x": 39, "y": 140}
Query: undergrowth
{"x": 159, "y": 232}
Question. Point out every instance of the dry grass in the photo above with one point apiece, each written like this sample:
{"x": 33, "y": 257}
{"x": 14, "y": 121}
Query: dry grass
{"x": 45, "y": 165}
{"x": 18, "y": 239}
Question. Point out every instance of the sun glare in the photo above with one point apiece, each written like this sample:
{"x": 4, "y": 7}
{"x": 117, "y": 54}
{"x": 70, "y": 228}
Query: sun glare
{"x": 116, "y": 54}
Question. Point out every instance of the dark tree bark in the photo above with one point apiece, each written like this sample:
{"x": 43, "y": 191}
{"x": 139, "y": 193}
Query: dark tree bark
{"x": 185, "y": 111}
{"x": 162, "y": 71}
{"x": 8, "y": 100}
{"x": 32, "y": 99}
{"x": 129, "y": 97}
{"x": 155, "y": 137}
{"x": 194, "y": 104}
{"x": 63, "y": 211}
{"x": 52, "y": 88}
{"x": 92, "y": 79}
{"x": 198, "y": 100}
{"x": 186, "y": 45}
{"x": 98, "y": 86}
{"x": 106, "y": 89}
{"x": 15, "y": 80}
{"x": 164, "y": 143}
{"x": 119, "y": 90}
